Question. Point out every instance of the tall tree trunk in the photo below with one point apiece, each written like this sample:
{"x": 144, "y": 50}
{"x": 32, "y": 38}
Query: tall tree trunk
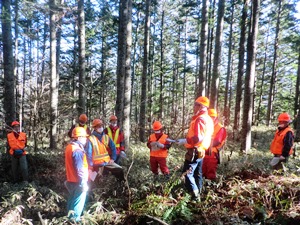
{"x": 274, "y": 67}
{"x": 217, "y": 56}
{"x": 203, "y": 48}
{"x": 53, "y": 77}
{"x": 127, "y": 82}
{"x": 81, "y": 59}
{"x": 250, "y": 77}
{"x": 8, "y": 60}
{"x": 239, "y": 83}
{"x": 144, "y": 74}
{"x": 161, "y": 74}
{"x": 18, "y": 114}
{"x": 297, "y": 136}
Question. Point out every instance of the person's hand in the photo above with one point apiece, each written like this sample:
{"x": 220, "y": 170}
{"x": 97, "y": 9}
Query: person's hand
{"x": 153, "y": 144}
{"x": 160, "y": 145}
{"x": 111, "y": 161}
{"x": 181, "y": 141}
{"x": 282, "y": 157}
{"x": 123, "y": 154}
{"x": 84, "y": 187}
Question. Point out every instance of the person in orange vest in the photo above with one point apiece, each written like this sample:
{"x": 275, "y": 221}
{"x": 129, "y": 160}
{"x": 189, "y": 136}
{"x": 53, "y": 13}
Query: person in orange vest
{"x": 282, "y": 144}
{"x": 197, "y": 141}
{"x": 82, "y": 122}
{"x": 117, "y": 135}
{"x": 17, "y": 142}
{"x": 98, "y": 154}
{"x": 212, "y": 155}
{"x": 158, "y": 145}
{"x": 77, "y": 173}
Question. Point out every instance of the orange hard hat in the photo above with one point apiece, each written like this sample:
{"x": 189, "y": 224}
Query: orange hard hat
{"x": 113, "y": 117}
{"x": 83, "y": 118}
{"x": 203, "y": 101}
{"x": 97, "y": 122}
{"x": 79, "y": 132}
{"x": 15, "y": 123}
{"x": 212, "y": 113}
{"x": 284, "y": 117}
{"x": 156, "y": 125}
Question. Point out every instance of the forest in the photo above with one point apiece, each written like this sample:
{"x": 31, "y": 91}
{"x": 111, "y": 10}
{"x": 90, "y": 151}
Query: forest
{"x": 145, "y": 61}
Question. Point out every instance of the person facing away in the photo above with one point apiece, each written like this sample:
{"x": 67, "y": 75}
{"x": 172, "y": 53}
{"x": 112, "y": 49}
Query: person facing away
{"x": 82, "y": 122}
{"x": 17, "y": 142}
{"x": 116, "y": 134}
{"x": 282, "y": 143}
{"x": 77, "y": 173}
{"x": 98, "y": 154}
{"x": 212, "y": 155}
{"x": 197, "y": 141}
{"x": 158, "y": 145}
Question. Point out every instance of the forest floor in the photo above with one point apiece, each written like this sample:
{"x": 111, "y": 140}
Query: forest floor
{"x": 246, "y": 190}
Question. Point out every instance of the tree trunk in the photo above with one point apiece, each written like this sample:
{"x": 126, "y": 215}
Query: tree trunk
{"x": 161, "y": 74}
{"x": 8, "y": 60}
{"x": 203, "y": 48}
{"x": 250, "y": 77}
{"x": 297, "y": 136}
{"x": 81, "y": 59}
{"x": 144, "y": 74}
{"x": 53, "y": 78}
{"x": 274, "y": 68}
{"x": 217, "y": 56}
{"x": 239, "y": 84}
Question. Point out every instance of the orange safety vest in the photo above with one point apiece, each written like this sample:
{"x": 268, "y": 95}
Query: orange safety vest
{"x": 217, "y": 128}
{"x": 116, "y": 137}
{"x": 100, "y": 154}
{"x": 16, "y": 143}
{"x": 207, "y": 133}
{"x": 72, "y": 175}
{"x": 277, "y": 143}
{"x": 159, "y": 152}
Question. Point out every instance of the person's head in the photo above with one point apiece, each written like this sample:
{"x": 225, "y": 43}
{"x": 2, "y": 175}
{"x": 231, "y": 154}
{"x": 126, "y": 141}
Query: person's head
{"x": 201, "y": 104}
{"x": 82, "y": 119}
{"x": 284, "y": 120}
{"x": 213, "y": 114}
{"x": 79, "y": 133}
{"x": 157, "y": 127}
{"x": 15, "y": 126}
{"x": 98, "y": 125}
{"x": 113, "y": 121}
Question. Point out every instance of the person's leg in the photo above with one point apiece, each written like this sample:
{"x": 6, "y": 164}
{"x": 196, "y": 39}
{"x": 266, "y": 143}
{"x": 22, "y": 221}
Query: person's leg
{"x": 188, "y": 171}
{"x": 76, "y": 202}
{"x": 24, "y": 167}
{"x": 198, "y": 174}
{"x": 154, "y": 165}
{"x": 14, "y": 168}
{"x": 118, "y": 159}
{"x": 163, "y": 165}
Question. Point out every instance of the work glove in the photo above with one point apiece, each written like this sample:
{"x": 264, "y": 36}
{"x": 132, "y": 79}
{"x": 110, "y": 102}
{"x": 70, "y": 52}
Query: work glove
{"x": 160, "y": 145}
{"x": 181, "y": 141}
{"x": 123, "y": 155}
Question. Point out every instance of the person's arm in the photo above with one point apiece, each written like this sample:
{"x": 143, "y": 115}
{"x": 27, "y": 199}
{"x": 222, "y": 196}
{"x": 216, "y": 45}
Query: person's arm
{"x": 122, "y": 140}
{"x": 288, "y": 142}
{"x": 220, "y": 137}
{"x": 78, "y": 157}
{"x": 198, "y": 132}
{"x": 113, "y": 149}
{"x": 89, "y": 153}
{"x": 70, "y": 131}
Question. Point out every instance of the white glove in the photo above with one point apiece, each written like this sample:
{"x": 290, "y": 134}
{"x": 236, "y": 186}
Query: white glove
{"x": 181, "y": 141}
{"x": 160, "y": 145}
{"x": 84, "y": 187}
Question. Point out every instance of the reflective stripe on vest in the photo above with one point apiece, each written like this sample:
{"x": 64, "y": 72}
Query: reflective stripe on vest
{"x": 277, "y": 143}
{"x": 115, "y": 139}
{"x": 100, "y": 153}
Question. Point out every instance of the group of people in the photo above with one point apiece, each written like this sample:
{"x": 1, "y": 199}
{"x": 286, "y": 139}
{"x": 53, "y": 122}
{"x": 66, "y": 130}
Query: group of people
{"x": 102, "y": 149}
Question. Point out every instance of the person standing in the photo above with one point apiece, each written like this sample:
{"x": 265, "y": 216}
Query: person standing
{"x": 282, "y": 143}
{"x": 77, "y": 173}
{"x": 212, "y": 155}
{"x": 17, "y": 141}
{"x": 82, "y": 122}
{"x": 158, "y": 145}
{"x": 197, "y": 141}
{"x": 116, "y": 134}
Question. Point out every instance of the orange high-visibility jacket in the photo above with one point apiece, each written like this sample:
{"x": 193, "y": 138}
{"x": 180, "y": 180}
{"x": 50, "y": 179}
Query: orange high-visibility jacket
{"x": 72, "y": 174}
{"x": 277, "y": 143}
{"x": 100, "y": 153}
{"x": 206, "y": 133}
{"x": 217, "y": 128}
{"x": 163, "y": 152}
{"x": 16, "y": 143}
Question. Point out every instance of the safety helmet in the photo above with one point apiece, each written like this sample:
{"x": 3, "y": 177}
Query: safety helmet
{"x": 112, "y": 118}
{"x": 284, "y": 117}
{"x": 156, "y": 125}
{"x": 97, "y": 122}
{"x": 79, "y": 132}
{"x": 212, "y": 113}
{"x": 83, "y": 118}
{"x": 15, "y": 123}
{"x": 203, "y": 101}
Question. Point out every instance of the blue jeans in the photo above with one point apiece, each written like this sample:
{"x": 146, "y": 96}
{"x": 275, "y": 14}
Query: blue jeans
{"x": 76, "y": 200}
{"x": 193, "y": 177}
{"x": 19, "y": 165}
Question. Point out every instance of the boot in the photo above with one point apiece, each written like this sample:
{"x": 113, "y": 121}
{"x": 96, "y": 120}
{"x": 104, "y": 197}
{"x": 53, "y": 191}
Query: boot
{"x": 196, "y": 196}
